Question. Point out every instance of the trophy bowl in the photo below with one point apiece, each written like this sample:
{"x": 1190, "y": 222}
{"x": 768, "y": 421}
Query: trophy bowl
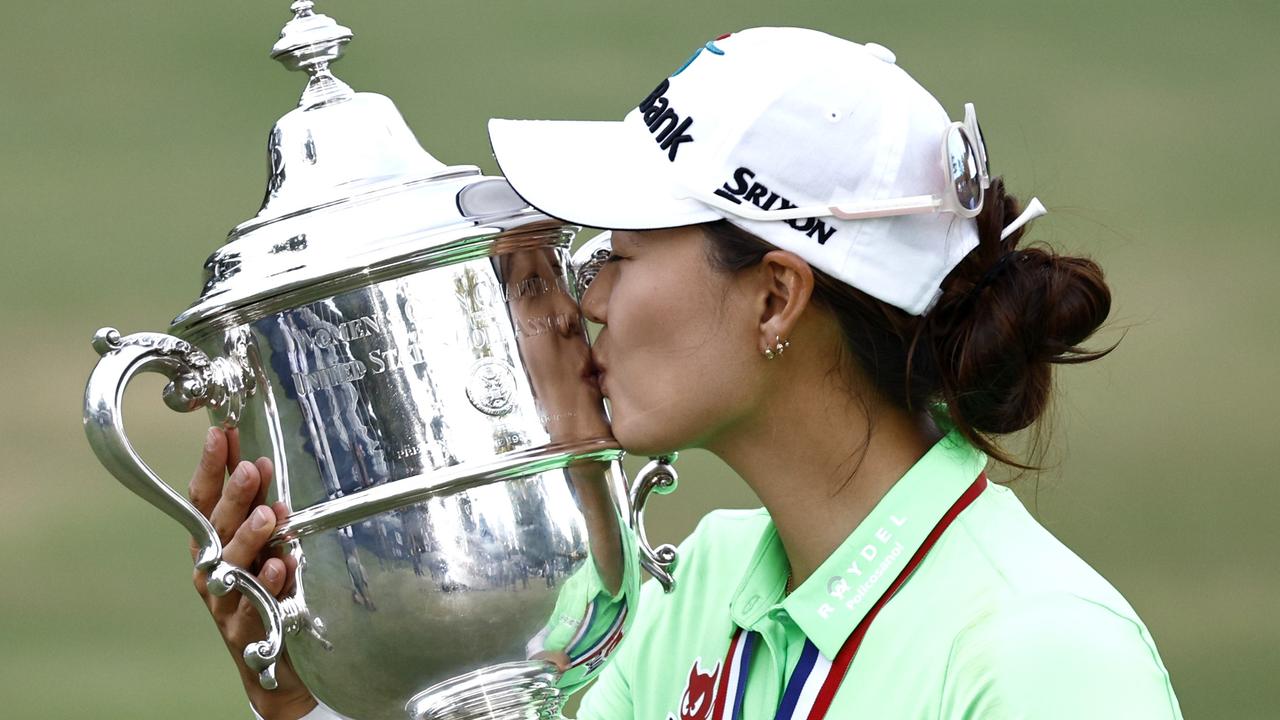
{"x": 402, "y": 338}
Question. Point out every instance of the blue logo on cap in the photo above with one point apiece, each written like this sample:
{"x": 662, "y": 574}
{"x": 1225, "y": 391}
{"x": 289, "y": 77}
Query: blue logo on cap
{"x": 710, "y": 47}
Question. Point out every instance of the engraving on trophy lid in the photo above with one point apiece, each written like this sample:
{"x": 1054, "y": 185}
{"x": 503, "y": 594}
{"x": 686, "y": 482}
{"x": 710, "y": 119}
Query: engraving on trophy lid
{"x": 492, "y": 387}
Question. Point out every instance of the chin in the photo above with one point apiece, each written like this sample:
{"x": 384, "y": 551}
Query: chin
{"x": 644, "y": 438}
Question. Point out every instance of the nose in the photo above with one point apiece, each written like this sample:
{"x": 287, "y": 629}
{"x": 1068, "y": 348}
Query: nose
{"x": 590, "y": 263}
{"x": 595, "y": 299}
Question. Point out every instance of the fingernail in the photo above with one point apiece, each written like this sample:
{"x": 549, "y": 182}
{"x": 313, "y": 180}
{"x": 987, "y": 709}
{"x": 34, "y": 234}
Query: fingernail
{"x": 262, "y": 517}
{"x": 210, "y": 439}
{"x": 271, "y": 572}
{"x": 242, "y": 474}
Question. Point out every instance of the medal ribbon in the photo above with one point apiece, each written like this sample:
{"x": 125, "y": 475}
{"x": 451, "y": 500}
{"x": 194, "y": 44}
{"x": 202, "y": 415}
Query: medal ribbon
{"x": 594, "y": 655}
{"x": 814, "y": 682}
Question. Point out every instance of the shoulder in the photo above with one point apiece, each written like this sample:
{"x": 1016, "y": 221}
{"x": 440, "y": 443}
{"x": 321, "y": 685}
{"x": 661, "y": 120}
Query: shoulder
{"x": 1057, "y": 655}
{"x": 999, "y": 550}
{"x": 1040, "y": 633}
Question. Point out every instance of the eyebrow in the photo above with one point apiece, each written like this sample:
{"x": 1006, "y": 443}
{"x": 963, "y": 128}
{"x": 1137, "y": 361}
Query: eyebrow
{"x": 627, "y": 240}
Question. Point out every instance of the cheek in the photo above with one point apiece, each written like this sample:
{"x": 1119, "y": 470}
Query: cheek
{"x": 677, "y": 365}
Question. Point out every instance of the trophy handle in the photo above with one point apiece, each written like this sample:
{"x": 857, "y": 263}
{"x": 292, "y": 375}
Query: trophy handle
{"x": 660, "y": 477}
{"x": 195, "y": 381}
{"x": 587, "y": 260}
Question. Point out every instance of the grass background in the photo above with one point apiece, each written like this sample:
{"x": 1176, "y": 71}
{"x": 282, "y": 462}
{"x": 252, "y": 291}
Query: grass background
{"x": 131, "y": 138}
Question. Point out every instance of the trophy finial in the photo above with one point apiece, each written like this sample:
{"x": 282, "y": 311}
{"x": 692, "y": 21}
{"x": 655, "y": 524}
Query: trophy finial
{"x": 311, "y": 42}
{"x": 337, "y": 142}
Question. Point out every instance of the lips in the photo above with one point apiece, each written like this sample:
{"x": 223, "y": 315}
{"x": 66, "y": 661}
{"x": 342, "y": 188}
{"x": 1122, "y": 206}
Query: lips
{"x": 597, "y": 370}
{"x": 596, "y": 361}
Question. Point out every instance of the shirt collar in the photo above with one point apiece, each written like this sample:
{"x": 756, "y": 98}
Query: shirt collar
{"x": 830, "y": 603}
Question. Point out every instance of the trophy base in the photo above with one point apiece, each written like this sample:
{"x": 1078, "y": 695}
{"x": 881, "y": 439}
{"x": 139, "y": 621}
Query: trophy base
{"x": 510, "y": 691}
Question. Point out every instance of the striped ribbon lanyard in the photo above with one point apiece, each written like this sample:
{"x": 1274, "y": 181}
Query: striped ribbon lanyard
{"x": 814, "y": 682}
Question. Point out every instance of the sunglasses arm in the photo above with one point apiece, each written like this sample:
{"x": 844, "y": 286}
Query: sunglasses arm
{"x": 914, "y": 205}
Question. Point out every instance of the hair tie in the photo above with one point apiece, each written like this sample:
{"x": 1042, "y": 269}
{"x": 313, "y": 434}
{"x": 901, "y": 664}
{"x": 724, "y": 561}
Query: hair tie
{"x": 1033, "y": 210}
{"x": 991, "y": 274}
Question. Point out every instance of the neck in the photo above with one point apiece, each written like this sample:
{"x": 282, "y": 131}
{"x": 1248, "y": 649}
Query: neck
{"x": 818, "y": 466}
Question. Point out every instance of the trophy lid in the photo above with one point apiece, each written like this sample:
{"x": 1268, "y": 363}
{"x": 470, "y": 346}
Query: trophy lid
{"x": 351, "y": 195}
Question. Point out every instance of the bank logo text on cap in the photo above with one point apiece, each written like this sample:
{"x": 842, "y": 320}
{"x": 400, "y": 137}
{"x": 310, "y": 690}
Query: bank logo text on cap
{"x": 664, "y": 123}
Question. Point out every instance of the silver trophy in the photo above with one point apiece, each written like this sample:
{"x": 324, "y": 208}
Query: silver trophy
{"x": 402, "y": 338}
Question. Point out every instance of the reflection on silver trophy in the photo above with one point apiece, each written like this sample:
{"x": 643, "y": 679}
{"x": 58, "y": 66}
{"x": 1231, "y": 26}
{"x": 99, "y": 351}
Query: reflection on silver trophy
{"x": 402, "y": 339}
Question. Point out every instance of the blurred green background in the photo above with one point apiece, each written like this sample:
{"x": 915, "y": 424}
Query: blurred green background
{"x": 131, "y": 139}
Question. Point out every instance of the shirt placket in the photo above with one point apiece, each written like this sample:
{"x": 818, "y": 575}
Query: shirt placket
{"x": 773, "y": 663}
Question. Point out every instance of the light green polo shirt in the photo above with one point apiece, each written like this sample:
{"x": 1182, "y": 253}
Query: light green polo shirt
{"x": 1000, "y": 620}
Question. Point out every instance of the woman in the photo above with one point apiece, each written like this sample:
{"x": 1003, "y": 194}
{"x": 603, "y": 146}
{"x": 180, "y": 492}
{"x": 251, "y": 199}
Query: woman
{"x": 814, "y": 278}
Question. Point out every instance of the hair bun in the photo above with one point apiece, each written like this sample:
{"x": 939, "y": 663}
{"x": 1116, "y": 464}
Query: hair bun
{"x": 1027, "y": 310}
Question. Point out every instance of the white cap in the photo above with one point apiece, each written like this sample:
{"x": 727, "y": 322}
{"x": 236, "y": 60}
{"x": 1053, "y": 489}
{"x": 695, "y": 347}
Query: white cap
{"x": 773, "y": 117}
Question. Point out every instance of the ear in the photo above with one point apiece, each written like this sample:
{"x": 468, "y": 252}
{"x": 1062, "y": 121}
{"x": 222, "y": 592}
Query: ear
{"x": 786, "y": 290}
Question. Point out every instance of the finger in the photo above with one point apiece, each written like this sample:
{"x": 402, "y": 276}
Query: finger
{"x": 272, "y": 576}
{"x": 245, "y": 627}
{"x": 237, "y": 498}
{"x": 200, "y": 579}
{"x": 555, "y": 657}
{"x": 290, "y": 576}
{"x": 233, "y": 448}
{"x": 246, "y": 624}
{"x": 205, "y": 487}
{"x": 245, "y": 545}
{"x": 290, "y": 562}
{"x": 250, "y": 538}
{"x": 206, "y": 481}
{"x": 266, "y": 471}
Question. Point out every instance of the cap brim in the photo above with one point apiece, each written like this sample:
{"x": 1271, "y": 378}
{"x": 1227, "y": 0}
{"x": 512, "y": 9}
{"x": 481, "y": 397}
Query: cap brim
{"x": 593, "y": 173}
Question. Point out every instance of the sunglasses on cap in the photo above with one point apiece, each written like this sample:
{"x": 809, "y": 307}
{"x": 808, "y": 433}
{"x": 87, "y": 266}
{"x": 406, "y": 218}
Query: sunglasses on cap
{"x": 964, "y": 161}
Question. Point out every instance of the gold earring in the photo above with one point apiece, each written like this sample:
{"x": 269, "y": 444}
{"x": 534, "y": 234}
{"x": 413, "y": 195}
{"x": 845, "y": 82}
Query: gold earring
{"x": 780, "y": 346}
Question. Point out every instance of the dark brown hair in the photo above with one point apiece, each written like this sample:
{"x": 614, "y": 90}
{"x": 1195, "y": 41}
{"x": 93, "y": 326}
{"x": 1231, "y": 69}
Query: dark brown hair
{"x": 987, "y": 347}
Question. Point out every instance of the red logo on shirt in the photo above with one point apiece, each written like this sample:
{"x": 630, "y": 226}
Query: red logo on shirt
{"x": 699, "y": 693}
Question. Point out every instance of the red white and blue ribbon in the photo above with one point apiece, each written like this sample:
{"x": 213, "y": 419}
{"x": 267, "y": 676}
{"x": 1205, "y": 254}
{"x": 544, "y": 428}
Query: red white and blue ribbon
{"x": 732, "y": 685}
{"x": 597, "y": 651}
{"x": 816, "y": 679}
{"x": 806, "y": 682}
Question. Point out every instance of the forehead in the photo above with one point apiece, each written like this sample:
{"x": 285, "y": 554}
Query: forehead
{"x": 638, "y": 238}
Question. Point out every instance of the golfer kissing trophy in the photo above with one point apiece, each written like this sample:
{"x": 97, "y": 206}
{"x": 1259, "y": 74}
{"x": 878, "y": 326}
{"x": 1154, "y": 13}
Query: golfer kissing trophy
{"x": 402, "y": 339}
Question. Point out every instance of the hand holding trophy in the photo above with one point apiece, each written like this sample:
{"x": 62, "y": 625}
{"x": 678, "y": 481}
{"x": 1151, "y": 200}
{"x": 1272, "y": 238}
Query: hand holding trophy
{"x": 399, "y": 342}
{"x": 244, "y": 526}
